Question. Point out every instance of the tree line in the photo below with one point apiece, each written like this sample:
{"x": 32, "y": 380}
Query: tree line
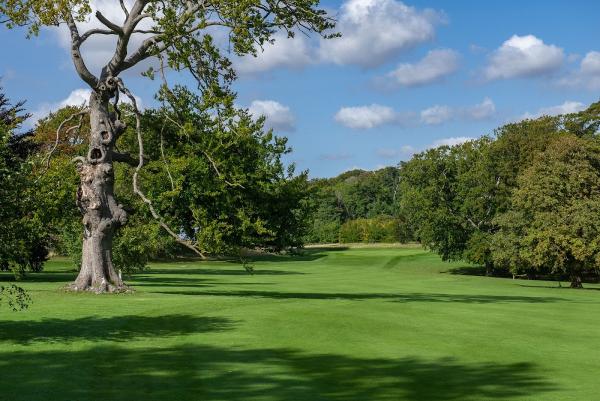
{"x": 524, "y": 200}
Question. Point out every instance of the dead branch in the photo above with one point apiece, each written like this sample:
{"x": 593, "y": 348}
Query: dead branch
{"x": 80, "y": 114}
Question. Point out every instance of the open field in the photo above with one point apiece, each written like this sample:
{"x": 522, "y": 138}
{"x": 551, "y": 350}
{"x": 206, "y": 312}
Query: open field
{"x": 370, "y": 324}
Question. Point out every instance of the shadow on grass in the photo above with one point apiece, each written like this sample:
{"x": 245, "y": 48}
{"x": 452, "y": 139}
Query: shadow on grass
{"x": 43, "y": 277}
{"x": 222, "y": 272}
{"x": 396, "y": 260}
{"x": 467, "y": 271}
{"x": 565, "y": 285}
{"x": 407, "y": 297}
{"x": 215, "y": 373}
{"x": 116, "y": 328}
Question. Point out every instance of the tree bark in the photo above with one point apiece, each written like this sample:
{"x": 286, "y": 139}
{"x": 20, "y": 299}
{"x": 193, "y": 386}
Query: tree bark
{"x": 102, "y": 215}
{"x": 576, "y": 280}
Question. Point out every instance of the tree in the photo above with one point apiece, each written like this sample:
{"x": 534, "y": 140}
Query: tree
{"x": 550, "y": 225}
{"x": 179, "y": 34}
{"x": 22, "y": 239}
{"x": 19, "y": 238}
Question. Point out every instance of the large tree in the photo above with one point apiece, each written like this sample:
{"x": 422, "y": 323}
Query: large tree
{"x": 178, "y": 33}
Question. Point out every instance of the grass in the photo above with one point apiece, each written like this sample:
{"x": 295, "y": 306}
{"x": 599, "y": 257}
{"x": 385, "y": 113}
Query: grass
{"x": 368, "y": 324}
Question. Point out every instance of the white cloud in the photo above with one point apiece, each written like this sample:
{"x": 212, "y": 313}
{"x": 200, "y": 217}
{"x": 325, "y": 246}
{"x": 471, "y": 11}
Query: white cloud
{"x": 588, "y": 74}
{"x": 78, "y": 97}
{"x": 523, "y": 56}
{"x": 278, "y": 116}
{"x": 373, "y": 31}
{"x": 366, "y": 117}
{"x": 375, "y": 115}
{"x": 436, "y": 65}
{"x": 565, "y": 108}
{"x": 481, "y": 111}
{"x": 452, "y": 141}
{"x": 591, "y": 63}
{"x": 284, "y": 52}
{"x": 439, "y": 114}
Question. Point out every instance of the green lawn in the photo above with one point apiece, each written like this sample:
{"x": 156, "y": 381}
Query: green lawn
{"x": 356, "y": 324}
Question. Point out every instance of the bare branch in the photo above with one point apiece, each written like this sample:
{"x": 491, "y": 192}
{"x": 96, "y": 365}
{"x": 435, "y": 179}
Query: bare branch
{"x": 124, "y": 8}
{"x": 80, "y": 66}
{"x": 124, "y": 158}
{"x": 135, "y": 16}
{"x": 108, "y": 23}
{"x": 162, "y": 152}
{"x": 136, "y": 188}
{"x": 91, "y": 32}
{"x": 57, "y": 140}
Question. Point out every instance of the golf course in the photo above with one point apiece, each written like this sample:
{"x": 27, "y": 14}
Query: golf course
{"x": 340, "y": 323}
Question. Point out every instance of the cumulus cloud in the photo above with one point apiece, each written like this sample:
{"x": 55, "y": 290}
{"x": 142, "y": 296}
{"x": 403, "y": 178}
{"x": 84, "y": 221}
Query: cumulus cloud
{"x": 373, "y": 31}
{"x": 366, "y": 117}
{"x": 481, "y": 111}
{"x": 566, "y": 108}
{"x": 452, "y": 141}
{"x": 587, "y": 76}
{"x": 523, "y": 56}
{"x": 78, "y": 97}
{"x": 278, "y": 117}
{"x": 375, "y": 115}
{"x": 436, "y": 65}
{"x": 439, "y": 114}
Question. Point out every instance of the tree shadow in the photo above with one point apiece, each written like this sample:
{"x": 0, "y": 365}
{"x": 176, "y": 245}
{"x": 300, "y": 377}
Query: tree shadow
{"x": 467, "y": 271}
{"x": 115, "y": 328}
{"x": 223, "y": 272}
{"x": 41, "y": 277}
{"x": 405, "y": 297}
{"x": 404, "y": 259}
{"x": 209, "y": 373}
{"x": 564, "y": 286}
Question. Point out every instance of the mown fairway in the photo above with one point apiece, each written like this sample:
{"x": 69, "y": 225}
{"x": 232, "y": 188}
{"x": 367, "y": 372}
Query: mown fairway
{"x": 357, "y": 324}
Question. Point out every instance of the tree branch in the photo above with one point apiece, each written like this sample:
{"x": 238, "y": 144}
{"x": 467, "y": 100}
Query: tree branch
{"x": 96, "y": 31}
{"x": 80, "y": 66}
{"x": 109, "y": 24}
{"x": 57, "y": 140}
{"x": 124, "y": 8}
{"x": 124, "y": 158}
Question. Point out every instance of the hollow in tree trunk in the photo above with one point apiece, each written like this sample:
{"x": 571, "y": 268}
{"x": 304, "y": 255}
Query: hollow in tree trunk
{"x": 102, "y": 215}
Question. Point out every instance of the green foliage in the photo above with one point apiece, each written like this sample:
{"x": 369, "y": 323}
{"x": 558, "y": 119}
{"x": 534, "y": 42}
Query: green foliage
{"x": 352, "y": 195}
{"x": 379, "y": 229}
{"x": 14, "y": 297}
{"x": 550, "y": 225}
{"x": 23, "y": 241}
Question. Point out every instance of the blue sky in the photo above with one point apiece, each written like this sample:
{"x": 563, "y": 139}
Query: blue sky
{"x": 405, "y": 75}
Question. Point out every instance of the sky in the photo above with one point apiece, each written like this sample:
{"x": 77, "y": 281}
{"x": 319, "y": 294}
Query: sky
{"x": 404, "y": 76}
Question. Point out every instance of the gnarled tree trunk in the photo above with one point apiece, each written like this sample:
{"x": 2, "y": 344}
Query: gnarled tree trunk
{"x": 102, "y": 215}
